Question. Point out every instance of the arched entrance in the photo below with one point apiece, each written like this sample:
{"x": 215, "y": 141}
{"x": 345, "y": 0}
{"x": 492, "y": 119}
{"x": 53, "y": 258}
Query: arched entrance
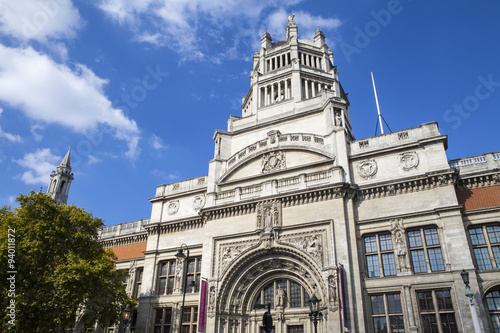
{"x": 282, "y": 276}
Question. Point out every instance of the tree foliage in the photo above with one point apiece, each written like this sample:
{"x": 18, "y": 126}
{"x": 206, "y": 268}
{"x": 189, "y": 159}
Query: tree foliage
{"x": 61, "y": 268}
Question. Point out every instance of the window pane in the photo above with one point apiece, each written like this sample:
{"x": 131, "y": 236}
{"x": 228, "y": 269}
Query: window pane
{"x": 493, "y": 300}
{"x": 161, "y": 288}
{"x": 418, "y": 260}
{"x": 191, "y": 265}
{"x": 414, "y": 238}
{"x": 444, "y": 300}
{"x": 436, "y": 259}
{"x": 377, "y": 304}
{"x": 170, "y": 288}
{"x": 164, "y": 267}
{"x": 198, "y": 269}
{"x": 379, "y": 325}
{"x": 477, "y": 236}
{"x": 372, "y": 263}
{"x": 431, "y": 237}
{"x": 269, "y": 294}
{"x": 496, "y": 254}
{"x": 158, "y": 316}
{"x": 429, "y": 323}
{"x": 388, "y": 264}
{"x": 186, "y": 315}
{"x": 172, "y": 268}
{"x": 494, "y": 234}
{"x": 496, "y": 322}
{"x": 370, "y": 244}
{"x": 295, "y": 294}
{"x": 482, "y": 258}
{"x": 425, "y": 301}
{"x": 385, "y": 242}
{"x": 394, "y": 303}
{"x": 397, "y": 324}
{"x": 448, "y": 323}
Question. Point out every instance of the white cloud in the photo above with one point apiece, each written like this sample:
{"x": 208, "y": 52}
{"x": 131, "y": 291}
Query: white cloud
{"x": 157, "y": 142}
{"x": 10, "y": 137}
{"x": 39, "y": 20}
{"x": 40, "y": 164}
{"x": 93, "y": 159}
{"x": 186, "y": 26}
{"x": 34, "y": 131}
{"x": 53, "y": 93}
{"x": 11, "y": 199}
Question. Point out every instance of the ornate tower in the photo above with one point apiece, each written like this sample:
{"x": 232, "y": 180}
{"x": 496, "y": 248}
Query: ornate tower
{"x": 60, "y": 180}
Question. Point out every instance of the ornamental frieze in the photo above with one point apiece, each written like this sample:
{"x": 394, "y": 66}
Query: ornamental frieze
{"x": 312, "y": 245}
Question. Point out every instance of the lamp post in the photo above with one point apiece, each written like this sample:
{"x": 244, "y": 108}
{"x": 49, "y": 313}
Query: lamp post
{"x": 126, "y": 318}
{"x": 470, "y": 296}
{"x": 180, "y": 254}
{"x": 315, "y": 315}
{"x": 267, "y": 319}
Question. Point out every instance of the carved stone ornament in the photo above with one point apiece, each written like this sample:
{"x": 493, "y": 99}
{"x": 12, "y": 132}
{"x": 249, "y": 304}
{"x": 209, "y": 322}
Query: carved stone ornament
{"x": 268, "y": 215}
{"x": 312, "y": 245}
{"x": 273, "y": 161}
{"x": 229, "y": 253}
{"x": 408, "y": 160}
{"x": 199, "y": 202}
{"x": 367, "y": 169}
{"x": 173, "y": 207}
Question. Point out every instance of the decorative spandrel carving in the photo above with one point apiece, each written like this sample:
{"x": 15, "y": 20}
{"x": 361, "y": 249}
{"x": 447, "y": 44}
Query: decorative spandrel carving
{"x": 312, "y": 245}
{"x": 367, "y": 169}
{"x": 229, "y": 253}
{"x": 268, "y": 215}
{"x": 408, "y": 160}
{"x": 399, "y": 239}
{"x": 173, "y": 207}
{"x": 273, "y": 161}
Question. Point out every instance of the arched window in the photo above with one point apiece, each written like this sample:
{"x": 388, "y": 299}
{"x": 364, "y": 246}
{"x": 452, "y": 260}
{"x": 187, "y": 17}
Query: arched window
{"x": 283, "y": 292}
{"x": 493, "y": 304}
{"x": 63, "y": 187}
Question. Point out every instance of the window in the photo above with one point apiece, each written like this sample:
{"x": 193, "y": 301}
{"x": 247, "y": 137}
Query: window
{"x": 295, "y": 329}
{"x": 283, "y": 292}
{"x": 425, "y": 255}
{"x": 138, "y": 282}
{"x": 189, "y": 319}
{"x": 194, "y": 273}
{"x": 436, "y": 311}
{"x": 163, "y": 320}
{"x": 486, "y": 246}
{"x": 166, "y": 277}
{"x": 493, "y": 303}
{"x": 379, "y": 255}
{"x": 387, "y": 314}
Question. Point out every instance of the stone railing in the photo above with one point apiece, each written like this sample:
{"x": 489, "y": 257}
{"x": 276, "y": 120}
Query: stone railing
{"x": 476, "y": 163}
{"x": 123, "y": 229}
{"x": 273, "y": 187}
{"x": 275, "y": 141}
{"x": 183, "y": 186}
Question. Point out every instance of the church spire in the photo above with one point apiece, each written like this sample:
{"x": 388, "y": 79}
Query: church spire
{"x": 60, "y": 180}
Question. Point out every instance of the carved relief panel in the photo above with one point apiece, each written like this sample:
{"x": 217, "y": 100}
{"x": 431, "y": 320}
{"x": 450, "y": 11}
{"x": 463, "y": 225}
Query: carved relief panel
{"x": 273, "y": 161}
{"x": 269, "y": 215}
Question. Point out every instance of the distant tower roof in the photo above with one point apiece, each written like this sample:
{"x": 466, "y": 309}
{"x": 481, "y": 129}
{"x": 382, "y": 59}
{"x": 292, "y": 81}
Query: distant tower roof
{"x": 60, "y": 180}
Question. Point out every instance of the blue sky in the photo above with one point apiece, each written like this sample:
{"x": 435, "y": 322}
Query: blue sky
{"x": 138, "y": 87}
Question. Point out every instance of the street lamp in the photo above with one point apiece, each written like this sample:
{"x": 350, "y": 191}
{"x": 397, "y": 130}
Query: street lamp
{"x": 126, "y": 318}
{"x": 267, "y": 319}
{"x": 470, "y": 296}
{"x": 180, "y": 254}
{"x": 315, "y": 315}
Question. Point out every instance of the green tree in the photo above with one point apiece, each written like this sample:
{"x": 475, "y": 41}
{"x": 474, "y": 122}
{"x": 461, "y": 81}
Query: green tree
{"x": 61, "y": 268}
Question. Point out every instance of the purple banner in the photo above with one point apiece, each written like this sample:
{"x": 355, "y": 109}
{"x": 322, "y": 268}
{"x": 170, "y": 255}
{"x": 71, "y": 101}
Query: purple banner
{"x": 202, "y": 314}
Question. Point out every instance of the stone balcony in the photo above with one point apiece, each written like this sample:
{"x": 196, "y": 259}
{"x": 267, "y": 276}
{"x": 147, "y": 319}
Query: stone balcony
{"x": 123, "y": 229}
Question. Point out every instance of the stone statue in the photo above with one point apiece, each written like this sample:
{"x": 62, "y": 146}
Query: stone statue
{"x": 332, "y": 288}
{"x": 338, "y": 119}
{"x": 280, "y": 297}
{"x": 290, "y": 18}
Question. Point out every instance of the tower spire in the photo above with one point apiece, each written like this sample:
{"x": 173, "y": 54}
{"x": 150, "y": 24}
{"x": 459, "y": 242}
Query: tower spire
{"x": 60, "y": 180}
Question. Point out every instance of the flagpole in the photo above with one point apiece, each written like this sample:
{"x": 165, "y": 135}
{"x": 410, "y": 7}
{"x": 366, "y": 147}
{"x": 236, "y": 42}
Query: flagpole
{"x": 378, "y": 108}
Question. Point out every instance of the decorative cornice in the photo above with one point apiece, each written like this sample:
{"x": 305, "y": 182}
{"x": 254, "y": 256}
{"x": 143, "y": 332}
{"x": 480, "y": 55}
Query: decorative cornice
{"x": 174, "y": 226}
{"x": 425, "y": 182}
{"x": 128, "y": 240}
{"x": 477, "y": 180}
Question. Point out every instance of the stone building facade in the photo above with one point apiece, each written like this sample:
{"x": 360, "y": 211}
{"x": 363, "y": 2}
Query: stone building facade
{"x": 378, "y": 229}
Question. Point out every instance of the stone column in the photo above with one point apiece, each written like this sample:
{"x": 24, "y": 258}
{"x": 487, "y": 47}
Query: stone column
{"x": 287, "y": 95}
{"x": 265, "y": 95}
{"x": 406, "y": 302}
{"x": 272, "y": 94}
{"x": 306, "y": 88}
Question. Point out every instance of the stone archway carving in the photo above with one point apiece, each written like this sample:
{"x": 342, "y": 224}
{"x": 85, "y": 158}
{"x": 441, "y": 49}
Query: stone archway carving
{"x": 247, "y": 275}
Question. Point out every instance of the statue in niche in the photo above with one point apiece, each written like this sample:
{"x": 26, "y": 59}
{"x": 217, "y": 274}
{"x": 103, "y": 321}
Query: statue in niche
{"x": 332, "y": 287}
{"x": 268, "y": 220}
{"x": 280, "y": 297}
{"x": 131, "y": 278}
{"x": 268, "y": 215}
{"x": 338, "y": 118}
{"x": 178, "y": 275}
{"x": 398, "y": 234}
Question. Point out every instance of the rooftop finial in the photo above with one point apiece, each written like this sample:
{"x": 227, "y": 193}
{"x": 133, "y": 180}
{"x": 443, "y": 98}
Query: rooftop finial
{"x": 290, "y": 18}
